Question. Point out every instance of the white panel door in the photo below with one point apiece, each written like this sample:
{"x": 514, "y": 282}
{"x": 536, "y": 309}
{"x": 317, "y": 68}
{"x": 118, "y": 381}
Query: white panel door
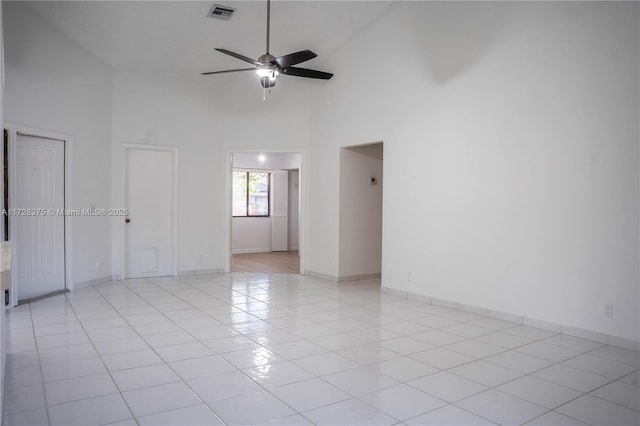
{"x": 279, "y": 208}
{"x": 149, "y": 177}
{"x": 39, "y": 237}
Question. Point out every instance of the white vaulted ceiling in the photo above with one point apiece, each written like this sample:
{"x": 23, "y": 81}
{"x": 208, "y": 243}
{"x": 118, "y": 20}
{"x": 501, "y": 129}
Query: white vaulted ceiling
{"x": 176, "y": 38}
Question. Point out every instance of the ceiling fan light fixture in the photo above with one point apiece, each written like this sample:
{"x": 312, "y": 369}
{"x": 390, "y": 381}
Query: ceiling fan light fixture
{"x": 268, "y": 67}
{"x": 270, "y": 72}
{"x": 267, "y": 82}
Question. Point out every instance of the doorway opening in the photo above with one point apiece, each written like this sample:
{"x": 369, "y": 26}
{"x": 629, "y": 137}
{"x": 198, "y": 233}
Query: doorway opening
{"x": 361, "y": 183}
{"x": 37, "y": 176}
{"x": 264, "y": 207}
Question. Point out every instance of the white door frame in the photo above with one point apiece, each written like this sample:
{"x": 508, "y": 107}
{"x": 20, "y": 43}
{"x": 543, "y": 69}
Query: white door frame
{"x": 228, "y": 223}
{"x": 174, "y": 213}
{"x": 13, "y": 131}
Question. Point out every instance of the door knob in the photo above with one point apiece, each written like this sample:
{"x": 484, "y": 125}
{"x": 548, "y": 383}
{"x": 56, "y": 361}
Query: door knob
{"x": 127, "y": 220}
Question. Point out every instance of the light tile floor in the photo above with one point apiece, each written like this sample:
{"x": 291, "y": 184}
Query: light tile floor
{"x": 293, "y": 350}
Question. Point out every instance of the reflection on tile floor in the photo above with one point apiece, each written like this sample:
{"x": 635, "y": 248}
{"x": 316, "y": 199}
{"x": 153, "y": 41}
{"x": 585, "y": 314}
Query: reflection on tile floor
{"x": 292, "y": 350}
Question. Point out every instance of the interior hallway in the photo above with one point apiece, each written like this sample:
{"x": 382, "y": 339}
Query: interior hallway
{"x": 273, "y": 262}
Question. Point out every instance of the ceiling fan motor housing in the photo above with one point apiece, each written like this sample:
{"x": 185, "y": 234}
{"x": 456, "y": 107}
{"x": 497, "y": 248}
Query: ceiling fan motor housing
{"x": 268, "y": 60}
{"x": 268, "y": 70}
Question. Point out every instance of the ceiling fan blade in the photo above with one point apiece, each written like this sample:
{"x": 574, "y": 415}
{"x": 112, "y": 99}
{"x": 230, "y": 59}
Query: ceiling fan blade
{"x": 225, "y": 71}
{"x": 304, "y": 72}
{"x": 294, "y": 58}
{"x": 239, "y": 56}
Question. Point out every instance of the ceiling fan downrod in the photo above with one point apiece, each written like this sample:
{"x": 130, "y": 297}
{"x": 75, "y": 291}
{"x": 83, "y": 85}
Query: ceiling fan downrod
{"x": 268, "y": 23}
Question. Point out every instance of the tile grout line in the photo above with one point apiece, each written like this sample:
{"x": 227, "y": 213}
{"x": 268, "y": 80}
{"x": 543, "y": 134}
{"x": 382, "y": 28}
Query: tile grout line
{"x": 35, "y": 341}
{"x": 317, "y": 377}
{"x": 157, "y": 354}
{"x": 218, "y": 354}
{"x": 100, "y": 357}
{"x": 245, "y": 299}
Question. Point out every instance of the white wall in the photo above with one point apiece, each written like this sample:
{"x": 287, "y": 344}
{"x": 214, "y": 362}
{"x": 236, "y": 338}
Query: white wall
{"x": 272, "y": 160}
{"x": 53, "y": 84}
{"x": 360, "y": 211}
{"x": 511, "y": 129}
{"x": 205, "y": 120}
{"x": 251, "y": 234}
{"x": 281, "y": 122}
{"x": 161, "y": 111}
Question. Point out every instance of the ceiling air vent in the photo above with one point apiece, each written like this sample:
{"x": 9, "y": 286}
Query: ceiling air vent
{"x": 221, "y": 12}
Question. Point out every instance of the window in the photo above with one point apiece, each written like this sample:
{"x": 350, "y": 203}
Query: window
{"x": 250, "y": 193}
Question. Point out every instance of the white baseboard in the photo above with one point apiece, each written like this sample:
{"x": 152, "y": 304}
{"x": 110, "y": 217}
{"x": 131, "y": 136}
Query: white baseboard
{"x": 321, "y": 276}
{"x": 265, "y": 250}
{"x": 347, "y": 278}
{"x": 532, "y": 322}
{"x": 88, "y": 283}
{"x": 117, "y": 277}
{"x": 201, "y": 272}
{"x": 258, "y": 250}
{"x": 343, "y": 278}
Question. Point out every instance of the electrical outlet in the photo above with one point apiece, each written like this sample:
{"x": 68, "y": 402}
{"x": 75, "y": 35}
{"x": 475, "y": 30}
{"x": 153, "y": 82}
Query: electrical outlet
{"x": 98, "y": 265}
{"x": 608, "y": 311}
{"x": 409, "y": 276}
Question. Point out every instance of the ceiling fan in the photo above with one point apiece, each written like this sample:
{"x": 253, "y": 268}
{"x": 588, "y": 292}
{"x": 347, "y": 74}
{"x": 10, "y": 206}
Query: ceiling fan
{"x": 268, "y": 67}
